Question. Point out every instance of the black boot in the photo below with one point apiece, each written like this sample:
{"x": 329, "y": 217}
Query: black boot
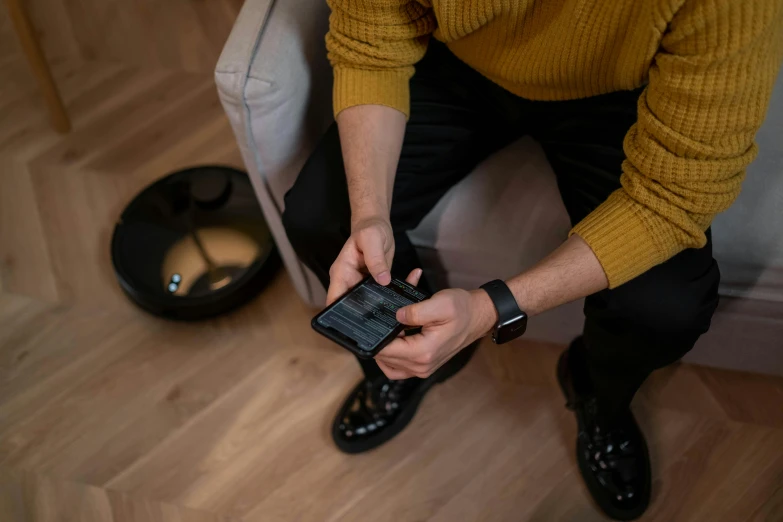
{"x": 376, "y": 411}
{"x": 612, "y": 453}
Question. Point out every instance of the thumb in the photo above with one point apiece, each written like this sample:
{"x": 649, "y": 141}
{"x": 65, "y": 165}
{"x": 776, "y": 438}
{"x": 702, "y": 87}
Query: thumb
{"x": 420, "y": 314}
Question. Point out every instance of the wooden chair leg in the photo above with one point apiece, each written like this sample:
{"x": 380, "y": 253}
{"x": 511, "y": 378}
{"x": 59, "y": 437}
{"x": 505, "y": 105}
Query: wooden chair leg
{"x": 31, "y": 47}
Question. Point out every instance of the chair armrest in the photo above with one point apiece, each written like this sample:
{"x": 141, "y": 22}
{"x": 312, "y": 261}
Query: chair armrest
{"x": 275, "y": 85}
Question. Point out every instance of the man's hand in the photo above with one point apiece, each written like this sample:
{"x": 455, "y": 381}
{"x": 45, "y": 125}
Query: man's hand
{"x": 369, "y": 249}
{"x": 450, "y": 320}
{"x": 371, "y": 139}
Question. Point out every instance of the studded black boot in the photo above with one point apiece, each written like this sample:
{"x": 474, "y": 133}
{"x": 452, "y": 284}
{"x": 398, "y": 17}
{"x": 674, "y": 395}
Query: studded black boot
{"x": 375, "y": 411}
{"x": 612, "y": 455}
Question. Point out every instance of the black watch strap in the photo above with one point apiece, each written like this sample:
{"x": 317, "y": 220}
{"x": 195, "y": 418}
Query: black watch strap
{"x": 504, "y": 300}
{"x": 512, "y": 321}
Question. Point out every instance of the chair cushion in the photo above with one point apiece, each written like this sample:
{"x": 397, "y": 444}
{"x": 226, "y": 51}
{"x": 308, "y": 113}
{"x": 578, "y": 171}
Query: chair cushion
{"x": 497, "y": 222}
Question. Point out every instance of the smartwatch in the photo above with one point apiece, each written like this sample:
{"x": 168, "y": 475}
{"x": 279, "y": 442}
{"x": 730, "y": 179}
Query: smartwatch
{"x": 512, "y": 321}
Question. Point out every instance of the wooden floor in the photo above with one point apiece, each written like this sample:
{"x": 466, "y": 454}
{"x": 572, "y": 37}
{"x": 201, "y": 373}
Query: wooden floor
{"x": 182, "y": 34}
{"x": 107, "y": 414}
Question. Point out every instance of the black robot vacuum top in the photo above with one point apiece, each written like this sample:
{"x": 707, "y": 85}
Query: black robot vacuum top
{"x": 194, "y": 244}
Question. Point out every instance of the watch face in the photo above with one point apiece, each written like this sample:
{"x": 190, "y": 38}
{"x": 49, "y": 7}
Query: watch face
{"x": 510, "y": 329}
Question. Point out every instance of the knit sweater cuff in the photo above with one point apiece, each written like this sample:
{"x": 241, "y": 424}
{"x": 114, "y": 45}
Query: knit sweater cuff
{"x": 621, "y": 241}
{"x": 369, "y": 87}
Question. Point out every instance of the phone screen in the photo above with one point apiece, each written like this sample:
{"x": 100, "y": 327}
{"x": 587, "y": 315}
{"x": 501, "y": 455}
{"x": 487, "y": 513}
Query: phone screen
{"x": 367, "y": 313}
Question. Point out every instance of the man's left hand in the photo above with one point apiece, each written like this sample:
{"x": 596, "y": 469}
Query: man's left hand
{"x": 450, "y": 321}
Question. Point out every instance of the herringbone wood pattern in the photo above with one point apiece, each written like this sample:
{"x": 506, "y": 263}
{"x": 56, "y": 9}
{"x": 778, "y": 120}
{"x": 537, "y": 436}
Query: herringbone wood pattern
{"x": 181, "y": 34}
{"x": 107, "y": 414}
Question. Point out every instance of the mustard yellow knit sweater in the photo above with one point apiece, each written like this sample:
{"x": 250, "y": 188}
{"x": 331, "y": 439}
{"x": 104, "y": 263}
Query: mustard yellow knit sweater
{"x": 709, "y": 67}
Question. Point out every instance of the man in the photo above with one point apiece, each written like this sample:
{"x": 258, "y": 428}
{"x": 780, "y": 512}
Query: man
{"x": 646, "y": 110}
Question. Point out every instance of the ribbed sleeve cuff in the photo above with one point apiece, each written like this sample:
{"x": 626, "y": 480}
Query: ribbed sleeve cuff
{"x": 620, "y": 239}
{"x": 368, "y": 87}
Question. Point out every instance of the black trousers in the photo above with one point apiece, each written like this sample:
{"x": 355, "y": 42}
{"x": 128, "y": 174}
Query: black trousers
{"x": 458, "y": 118}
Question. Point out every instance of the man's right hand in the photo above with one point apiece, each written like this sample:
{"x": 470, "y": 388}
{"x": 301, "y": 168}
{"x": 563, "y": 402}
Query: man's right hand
{"x": 369, "y": 249}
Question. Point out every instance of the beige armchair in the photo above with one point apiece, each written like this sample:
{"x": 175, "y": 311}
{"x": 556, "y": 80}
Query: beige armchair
{"x": 275, "y": 84}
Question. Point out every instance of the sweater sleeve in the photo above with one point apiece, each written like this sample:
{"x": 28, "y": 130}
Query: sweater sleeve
{"x": 372, "y": 46}
{"x": 708, "y": 92}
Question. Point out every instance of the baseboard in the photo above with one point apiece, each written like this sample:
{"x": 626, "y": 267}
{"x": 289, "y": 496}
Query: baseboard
{"x": 746, "y": 334}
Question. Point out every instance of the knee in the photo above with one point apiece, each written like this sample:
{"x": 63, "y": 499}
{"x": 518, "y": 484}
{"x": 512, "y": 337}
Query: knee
{"x": 307, "y": 225}
{"x": 315, "y": 223}
{"x": 680, "y": 313}
{"x": 311, "y": 229}
{"x": 667, "y": 306}
{"x": 317, "y": 211}
{"x": 301, "y": 218}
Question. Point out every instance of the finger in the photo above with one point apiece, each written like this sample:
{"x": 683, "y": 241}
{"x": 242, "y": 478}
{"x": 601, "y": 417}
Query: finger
{"x": 423, "y": 364}
{"x": 393, "y": 373}
{"x": 402, "y": 353}
{"x": 396, "y": 361}
{"x": 433, "y": 310}
{"x": 410, "y": 331}
{"x": 409, "y": 368}
{"x": 413, "y": 348}
{"x": 396, "y": 364}
{"x": 414, "y": 277}
{"x": 342, "y": 278}
{"x": 399, "y": 349}
{"x": 372, "y": 247}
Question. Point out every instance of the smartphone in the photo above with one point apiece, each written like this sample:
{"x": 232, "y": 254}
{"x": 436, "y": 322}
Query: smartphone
{"x": 364, "y": 319}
